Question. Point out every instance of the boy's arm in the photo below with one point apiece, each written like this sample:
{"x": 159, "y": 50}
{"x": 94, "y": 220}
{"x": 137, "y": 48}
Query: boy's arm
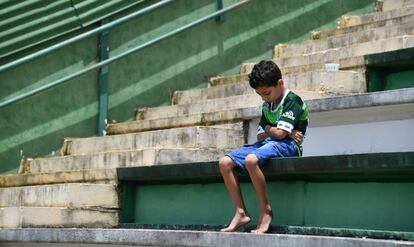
{"x": 281, "y": 134}
{"x": 286, "y": 123}
{"x": 275, "y": 132}
{"x": 261, "y": 134}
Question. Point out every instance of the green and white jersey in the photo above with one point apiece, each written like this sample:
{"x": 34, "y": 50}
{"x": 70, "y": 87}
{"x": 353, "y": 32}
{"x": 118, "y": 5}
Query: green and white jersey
{"x": 291, "y": 114}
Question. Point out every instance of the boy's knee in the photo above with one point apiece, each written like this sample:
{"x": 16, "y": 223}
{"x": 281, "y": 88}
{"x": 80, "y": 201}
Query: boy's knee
{"x": 225, "y": 163}
{"x": 251, "y": 161}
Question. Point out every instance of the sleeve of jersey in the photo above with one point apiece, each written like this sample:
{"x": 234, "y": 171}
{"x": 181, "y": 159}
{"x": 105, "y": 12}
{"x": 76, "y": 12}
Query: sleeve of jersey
{"x": 289, "y": 117}
{"x": 262, "y": 124}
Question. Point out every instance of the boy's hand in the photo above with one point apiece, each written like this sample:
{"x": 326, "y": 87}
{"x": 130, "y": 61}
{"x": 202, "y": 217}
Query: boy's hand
{"x": 297, "y": 136}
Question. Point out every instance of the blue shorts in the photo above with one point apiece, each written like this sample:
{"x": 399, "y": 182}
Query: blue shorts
{"x": 264, "y": 150}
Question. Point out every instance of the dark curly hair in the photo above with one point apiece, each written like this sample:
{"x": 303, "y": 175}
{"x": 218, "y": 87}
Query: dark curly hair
{"x": 265, "y": 73}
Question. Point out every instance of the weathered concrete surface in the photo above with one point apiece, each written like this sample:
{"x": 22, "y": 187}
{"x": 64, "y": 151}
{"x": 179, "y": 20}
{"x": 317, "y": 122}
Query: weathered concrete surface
{"x": 74, "y": 195}
{"x": 327, "y": 83}
{"x": 390, "y": 97}
{"x": 23, "y": 217}
{"x": 350, "y": 63}
{"x": 228, "y": 115}
{"x": 203, "y": 119}
{"x": 143, "y": 157}
{"x": 360, "y": 49}
{"x": 189, "y": 137}
{"x": 308, "y": 85}
{"x": 222, "y": 80}
{"x": 206, "y": 106}
{"x": 387, "y": 5}
{"x": 338, "y": 82}
{"x": 219, "y": 99}
{"x": 221, "y": 90}
{"x": 95, "y": 176}
{"x": 246, "y": 68}
{"x": 370, "y": 114}
{"x": 348, "y": 21}
{"x": 311, "y": 46}
{"x": 398, "y": 16}
{"x": 136, "y": 237}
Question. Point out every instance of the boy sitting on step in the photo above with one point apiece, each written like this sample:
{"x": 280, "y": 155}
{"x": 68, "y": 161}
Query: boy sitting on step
{"x": 280, "y": 133}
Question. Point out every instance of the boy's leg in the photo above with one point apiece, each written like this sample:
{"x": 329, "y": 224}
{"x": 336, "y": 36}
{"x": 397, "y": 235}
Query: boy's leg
{"x": 259, "y": 183}
{"x": 241, "y": 217}
{"x": 273, "y": 148}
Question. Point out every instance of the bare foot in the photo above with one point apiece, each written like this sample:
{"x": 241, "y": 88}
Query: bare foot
{"x": 264, "y": 222}
{"x": 239, "y": 220}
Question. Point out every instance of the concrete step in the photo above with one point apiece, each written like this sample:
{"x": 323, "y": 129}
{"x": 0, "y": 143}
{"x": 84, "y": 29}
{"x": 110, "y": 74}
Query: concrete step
{"x": 188, "y": 137}
{"x": 216, "y": 103}
{"x": 228, "y": 115}
{"x": 351, "y": 63}
{"x": 230, "y": 86}
{"x": 391, "y": 18}
{"x": 142, "y": 157}
{"x": 73, "y": 195}
{"x": 148, "y": 237}
{"x": 319, "y": 81}
{"x": 355, "y": 50}
{"x": 348, "y": 21}
{"x": 219, "y": 104}
{"x": 387, "y": 5}
{"x": 27, "y": 217}
{"x": 81, "y": 176}
{"x": 201, "y": 119}
{"x": 223, "y": 80}
{"x": 246, "y": 68}
{"x": 312, "y": 46}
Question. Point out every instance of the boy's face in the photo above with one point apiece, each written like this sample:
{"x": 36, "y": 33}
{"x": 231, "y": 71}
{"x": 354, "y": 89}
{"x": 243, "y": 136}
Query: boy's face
{"x": 272, "y": 93}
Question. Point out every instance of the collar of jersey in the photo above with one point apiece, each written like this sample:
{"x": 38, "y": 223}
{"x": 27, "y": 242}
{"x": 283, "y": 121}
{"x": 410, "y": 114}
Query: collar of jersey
{"x": 280, "y": 104}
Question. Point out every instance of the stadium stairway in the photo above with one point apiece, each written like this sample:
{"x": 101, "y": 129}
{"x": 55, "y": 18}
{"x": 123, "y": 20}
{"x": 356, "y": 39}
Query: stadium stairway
{"x": 157, "y": 178}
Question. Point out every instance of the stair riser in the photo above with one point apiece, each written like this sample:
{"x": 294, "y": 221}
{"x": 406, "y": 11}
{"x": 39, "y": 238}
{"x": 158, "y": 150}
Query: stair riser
{"x": 352, "y": 63}
{"x": 349, "y": 21}
{"x": 57, "y": 217}
{"x": 61, "y": 195}
{"x": 84, "y": 176}
{"x": 283, "y": 51}
{"x": 122, "y": 159}
{"x": 191, "y": 137}
{"x": 341, "y": 82}
{"x": 340, "y": 31}
{"x": 349, "y": 52}
{"x": 235, "y": 88}
{"x": 234, "y": 102}
{"x": 387, "y": 5}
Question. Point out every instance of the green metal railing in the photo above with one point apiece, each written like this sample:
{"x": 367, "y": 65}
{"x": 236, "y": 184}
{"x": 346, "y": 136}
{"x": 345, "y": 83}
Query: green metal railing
{"x": 105, "y": 62}
{"x": 82, "y": 36}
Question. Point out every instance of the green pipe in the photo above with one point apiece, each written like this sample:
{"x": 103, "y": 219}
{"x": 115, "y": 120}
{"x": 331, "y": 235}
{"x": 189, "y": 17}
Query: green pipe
{"x": 103, "y": 80}
{"x": 90, "y": 33}
{"x": 112, "y": 59}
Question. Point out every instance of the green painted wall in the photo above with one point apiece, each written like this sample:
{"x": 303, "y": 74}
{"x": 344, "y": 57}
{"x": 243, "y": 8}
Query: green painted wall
{"x": 382, "y": 78}
{"x": 374, "y": 206}
{"x": 398, "y": 80}
{"x": 37, "y": 126}
{"x": 390, "y": 70}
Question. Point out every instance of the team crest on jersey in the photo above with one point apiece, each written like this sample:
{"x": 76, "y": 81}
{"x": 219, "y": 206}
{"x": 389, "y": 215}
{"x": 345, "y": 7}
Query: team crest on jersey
{"x": 289, "y": 114}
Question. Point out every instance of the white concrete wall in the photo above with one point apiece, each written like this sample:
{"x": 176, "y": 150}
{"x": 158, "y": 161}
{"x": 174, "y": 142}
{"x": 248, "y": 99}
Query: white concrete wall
{"x": 359, "y": 130}
{"x": 387, "y": 136}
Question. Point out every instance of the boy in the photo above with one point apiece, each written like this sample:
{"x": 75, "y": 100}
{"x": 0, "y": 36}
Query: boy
{"x": 280, "y": 134}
